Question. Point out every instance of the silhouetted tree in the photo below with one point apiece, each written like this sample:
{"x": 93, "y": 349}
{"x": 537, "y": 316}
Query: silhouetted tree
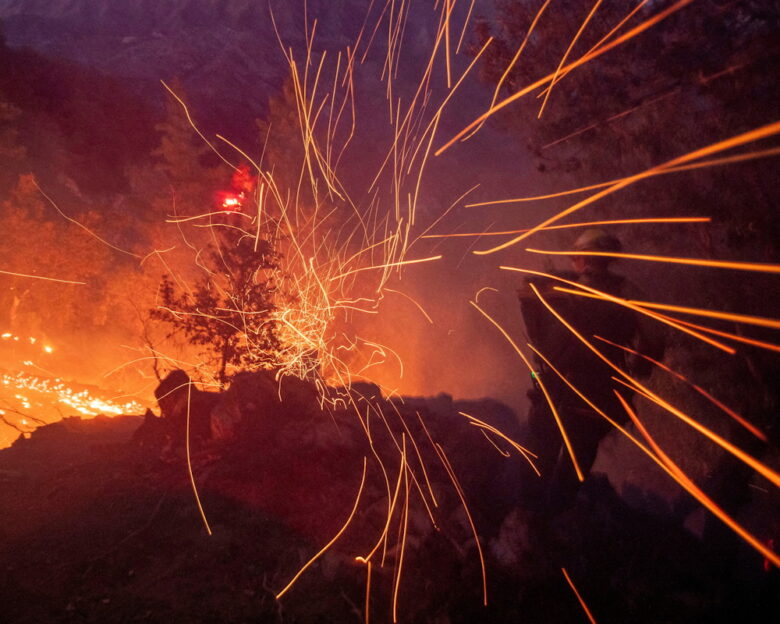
{"x": 183, "y": 158}
{"x": 228, "y": 311}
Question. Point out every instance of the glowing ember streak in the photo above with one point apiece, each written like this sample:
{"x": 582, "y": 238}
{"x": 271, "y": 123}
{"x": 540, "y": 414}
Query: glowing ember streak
{"x": 368, "y": 590}
{"x": 597, "y": 294}
{"x": 759, "y": 267}
{"x": 520, "y": 449}
{"x": 494, "y": 445}
{"x": 388, "y": 265}
{"x": 189, "y": 460}
{"x": 591, "y": 619}
{"x": 601, "y": 41}
{"x": 726, "y": 316}
{"x": 686, "y": 484}
{"x": 448, "y": 467}
{"x": 622, "y": 39}
{"x": 419, "y": 307}
{"x": 756, "y": 432}
{"x": 404, "y": 526}
{"x": 513, "y": 62}
{"x": 746, "y": 137}
{"x": 726, "y": 160}
{"x": 566, "y": 55}
{"x": 758, "y": 466}
{"x": 736, "y": 337}
{"x": 587, "y": 291}
{"x": 547, "y": 398}
{"x": 679, "y": 323}
{"x": 577, "y": 225}
{"x": 81, "y": 225}
{"x": 41, "y": 277}
{"x": 335, "y": 537}
{"x": 677, "y": 473}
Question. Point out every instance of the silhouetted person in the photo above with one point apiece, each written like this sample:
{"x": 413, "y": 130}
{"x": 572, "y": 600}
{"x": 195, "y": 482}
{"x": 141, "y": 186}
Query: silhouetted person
{"x": 591, "y": 317}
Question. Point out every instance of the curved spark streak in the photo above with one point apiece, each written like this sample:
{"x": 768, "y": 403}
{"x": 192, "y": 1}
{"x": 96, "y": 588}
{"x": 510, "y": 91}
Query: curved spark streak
{"x": 688, "y": 486}
{"x": 554, "y": 411}
{"x": 41, "y": 277}
{"x": 735, "y": 141}
{"x": 759, "y": 267}
{"x": 335, "y": 537}
{"x": 713, "y": 162}
{"x": 747, "y": 425}
{"x": 587, "y": 291}
{"x": 81, "y": 225}
{"x": 388, "y": 265}
{"x": 756, "y": 465}
{"x": 678, "y": 475}
{"x": 448, "y": 467}
{"x": 577, "y": 225}
{"x": 680, "y": 324}
{"x": 566, "y": 55}
{"x": 629, "y": 35}
{"x": 576, "y": 593}
{"x": 189, "y": 461}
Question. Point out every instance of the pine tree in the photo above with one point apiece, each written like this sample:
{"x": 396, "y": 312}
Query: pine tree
{"x": 183, "y": 158}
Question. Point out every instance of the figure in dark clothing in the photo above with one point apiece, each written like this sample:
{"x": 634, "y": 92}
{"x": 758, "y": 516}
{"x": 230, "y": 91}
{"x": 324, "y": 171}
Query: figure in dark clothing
{"x": 593, "y": 319}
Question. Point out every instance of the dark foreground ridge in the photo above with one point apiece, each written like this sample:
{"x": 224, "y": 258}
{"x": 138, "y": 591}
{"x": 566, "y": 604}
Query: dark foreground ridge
{"x": 100, "y": 524}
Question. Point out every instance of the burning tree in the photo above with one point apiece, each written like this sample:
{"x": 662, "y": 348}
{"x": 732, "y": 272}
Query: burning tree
{"x": 230, "y": 310}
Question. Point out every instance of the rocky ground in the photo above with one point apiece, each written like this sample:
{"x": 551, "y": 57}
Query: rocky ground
{"x": 100, "y": 524}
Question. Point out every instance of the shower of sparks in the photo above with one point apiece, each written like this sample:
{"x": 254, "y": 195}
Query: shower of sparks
{"x": 341, "y": 256}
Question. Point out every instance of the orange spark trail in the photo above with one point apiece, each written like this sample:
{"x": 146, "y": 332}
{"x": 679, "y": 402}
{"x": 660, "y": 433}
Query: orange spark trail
{"x": 601, "y": 41}
{"x": 576, "y": 593}
{"x": 448, "y": 467}
{"x": 493, "y": 444}
{"x": 385, "y": 266}
{"x": 81, "y": 225}
{"x": 368, "y": 591}
{"x": 419, "y": 307}
{"x": 465, "y": 26}
{"x": 335, "y": 537}
{"x": 760, "y": 321}
{"x": 189, "y": 460}
{"x": 587, "y": 291}
{"x": 550, "y": 403}
{"x": 579, "y": 225}
{"x": 743, "y": 339}
{"x": 510, "y": 66}
{"x": 404, "y": 525}
{"x": 566, "y": 55}
{"x": 677, "y": 473}
{"x": 41, "y": 277}
{"x": 759, "y": 267}
{"x": 756, "y": 465}
{"x": 520, "y": 449}
{"x": 390, "y": 510}
{"x": 713, "y": 162}
{"x": 747, "y": 425}
{"x": 620, "y": 40}
{"x": 746, "y": 137}
{"x": 681, "y": 324}
{"x": 687, "y": 485}
{"x": 609, "y": 120}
